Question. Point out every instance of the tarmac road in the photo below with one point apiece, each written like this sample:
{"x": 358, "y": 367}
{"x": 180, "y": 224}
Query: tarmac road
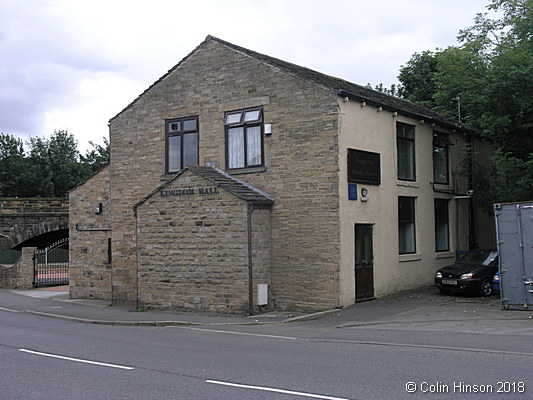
{"x": 372, "y": 350}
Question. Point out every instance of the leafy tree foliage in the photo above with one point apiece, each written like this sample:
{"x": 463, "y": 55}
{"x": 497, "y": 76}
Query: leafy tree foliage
{"x": 491, "y": 73}
{"x": 394, "y": 90}
{"x": 417, "y": 79}
{"x": 50, "y": 168}
{"x": 96, "y": 158}
{"x": 13, "y": 166}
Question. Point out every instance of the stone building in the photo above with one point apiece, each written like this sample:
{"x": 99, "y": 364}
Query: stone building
{"x": 238, "y": 181}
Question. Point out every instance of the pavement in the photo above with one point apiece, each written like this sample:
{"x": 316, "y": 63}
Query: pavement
{"x": 424, "y": 309}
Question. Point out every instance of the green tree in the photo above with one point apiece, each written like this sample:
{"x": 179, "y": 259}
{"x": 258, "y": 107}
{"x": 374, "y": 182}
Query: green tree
{"x": 394, "y": 90}
{"x": 57, "y": 162}
{"x": 96, "y": 158}
{"x": 508, "y": 179}
{"x": 51, "y": 167}
{"x": 14, "y": 167}
{"x": 418, "y": 79}
{"x": 491, "y": 73}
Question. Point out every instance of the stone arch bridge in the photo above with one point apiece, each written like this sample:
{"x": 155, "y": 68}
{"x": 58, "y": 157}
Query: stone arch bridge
{"x": 32, "y": 222}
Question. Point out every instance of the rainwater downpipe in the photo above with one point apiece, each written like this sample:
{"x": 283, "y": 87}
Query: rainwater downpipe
{"x": 250, "y": 258}
{"x": 136, "y": 259}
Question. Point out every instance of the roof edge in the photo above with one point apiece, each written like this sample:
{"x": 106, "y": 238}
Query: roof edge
{"x": 162, "y": 78}
{"x": 335, "y": 85}
{"x": 89, "y": 178}
{"x": 157, "y": 189}
{"x": 249, "y": 186}
{"x": 440, "y": 121}
{"x": 193, "y": 169}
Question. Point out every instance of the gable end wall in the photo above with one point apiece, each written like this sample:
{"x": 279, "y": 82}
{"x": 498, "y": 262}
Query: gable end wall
{"x": 300, "y": 157}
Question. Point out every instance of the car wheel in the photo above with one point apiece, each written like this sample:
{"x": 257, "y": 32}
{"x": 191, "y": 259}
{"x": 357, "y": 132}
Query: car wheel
{"x": 486, "y": 289}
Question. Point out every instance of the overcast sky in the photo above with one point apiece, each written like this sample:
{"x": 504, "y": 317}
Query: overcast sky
{"x": 74, "y": 64}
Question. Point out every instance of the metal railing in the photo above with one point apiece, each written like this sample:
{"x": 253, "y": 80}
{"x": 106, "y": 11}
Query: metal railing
{"x": 50, "y": 265}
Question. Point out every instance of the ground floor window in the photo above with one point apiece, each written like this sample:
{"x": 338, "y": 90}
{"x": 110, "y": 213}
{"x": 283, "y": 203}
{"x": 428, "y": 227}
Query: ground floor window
{"x": 406, "y": 225}
{"x": 442, "y": 240}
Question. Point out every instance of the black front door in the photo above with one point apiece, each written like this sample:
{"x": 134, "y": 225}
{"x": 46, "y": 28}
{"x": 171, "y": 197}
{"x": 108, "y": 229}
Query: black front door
{"x": 364, "y": 263}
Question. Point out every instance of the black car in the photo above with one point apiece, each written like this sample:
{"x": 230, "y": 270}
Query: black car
{"x": 473, "y": 272}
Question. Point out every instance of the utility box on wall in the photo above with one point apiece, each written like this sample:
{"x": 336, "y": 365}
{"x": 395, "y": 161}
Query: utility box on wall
{"x": 514, "y": 233}
{"x": 262, "y": 294}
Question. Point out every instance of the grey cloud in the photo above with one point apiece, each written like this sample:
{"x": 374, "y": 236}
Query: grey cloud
{"x": 43, "y": 60}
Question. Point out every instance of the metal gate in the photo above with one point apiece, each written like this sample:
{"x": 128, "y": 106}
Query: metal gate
{"x": 50, "y": 265}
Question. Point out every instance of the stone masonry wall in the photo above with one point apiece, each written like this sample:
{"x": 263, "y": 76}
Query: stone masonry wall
{"x": 19, "y": 275}
{"x": 193, "y": 250}
{"x": 22, "y": 219}
{"x": 300, "y": 157}
{"x": 90, "y": 270}
{"x": 261, "y": 251}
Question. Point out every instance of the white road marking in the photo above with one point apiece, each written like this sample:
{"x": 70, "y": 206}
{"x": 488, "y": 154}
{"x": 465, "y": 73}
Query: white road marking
{"x": 268, "y": 389}
{"x": 76, "y": 359}
{"x": 240, "y": 333}
{"x": 364, "y": 342}
{"x": 9, "y": 310}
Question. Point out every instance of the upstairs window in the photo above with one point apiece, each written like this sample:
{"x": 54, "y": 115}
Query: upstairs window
{"x": 405, "y": 142}
{"x": 181, "y": 143}
{"x": 244, "y": 138}
{"x": 440, "y": 158}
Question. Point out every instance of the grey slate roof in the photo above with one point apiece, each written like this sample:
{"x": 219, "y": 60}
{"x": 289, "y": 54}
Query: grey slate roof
{"x": 336, "y": 85}
{"x": 351, "y": 90}
{"x": 241, "y": 189}
{"x": 217, "y": 177}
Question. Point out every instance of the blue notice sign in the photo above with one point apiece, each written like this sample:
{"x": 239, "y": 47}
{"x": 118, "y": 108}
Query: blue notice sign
{"x": 352, "y": 191}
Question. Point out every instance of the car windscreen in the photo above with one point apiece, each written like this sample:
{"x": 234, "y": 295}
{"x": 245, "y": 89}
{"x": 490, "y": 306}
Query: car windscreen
{"x": 480, "y": 257}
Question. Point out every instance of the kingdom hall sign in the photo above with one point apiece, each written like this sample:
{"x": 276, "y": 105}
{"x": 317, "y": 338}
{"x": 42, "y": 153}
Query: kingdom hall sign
{"x": 189, "y": 192}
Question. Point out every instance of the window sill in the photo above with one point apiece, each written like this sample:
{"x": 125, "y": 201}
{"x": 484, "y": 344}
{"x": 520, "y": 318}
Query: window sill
{"x": 443, "y": 188}
{"x": 250, "y": 170}
{"x": 409, "y": 257}
{"x": 408, "y": 184}
{"x": 444, "y": 254}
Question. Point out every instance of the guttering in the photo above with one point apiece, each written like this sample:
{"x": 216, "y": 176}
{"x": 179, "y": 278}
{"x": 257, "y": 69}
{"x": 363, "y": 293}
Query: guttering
{"x": 418, "y": 116}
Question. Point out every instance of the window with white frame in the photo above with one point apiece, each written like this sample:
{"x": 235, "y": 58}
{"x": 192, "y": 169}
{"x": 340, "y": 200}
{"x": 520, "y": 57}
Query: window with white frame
{"x": 442, "y": 230}
{"x": 406, "y": 225}
{"x": 405, "y": 142}
{"x": 244, "y": 138}
{"x": 181, "y": 143}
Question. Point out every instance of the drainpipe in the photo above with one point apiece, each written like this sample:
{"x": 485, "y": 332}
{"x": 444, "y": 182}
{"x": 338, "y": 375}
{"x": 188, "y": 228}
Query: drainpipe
{"x": 250, "y": 269}
{"x": 136, "y": 258}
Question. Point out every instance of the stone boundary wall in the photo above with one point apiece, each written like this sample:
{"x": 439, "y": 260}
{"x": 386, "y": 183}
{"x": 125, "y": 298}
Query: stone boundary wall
{"x": 20, "y": 274}
{"x": 33, "y": 205}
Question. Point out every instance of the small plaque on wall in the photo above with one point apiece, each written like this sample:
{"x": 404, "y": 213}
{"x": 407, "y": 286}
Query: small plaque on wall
{"x": 352, "y": 191}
